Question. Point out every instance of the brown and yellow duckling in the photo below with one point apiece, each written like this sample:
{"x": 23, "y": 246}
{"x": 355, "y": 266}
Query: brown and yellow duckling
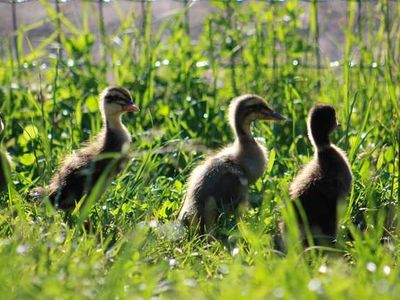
{"x": 5, "y": 163}
{"x": 106, "y": 154}
{"x": 324, "y": 180}
{"x": 219, "y": 185}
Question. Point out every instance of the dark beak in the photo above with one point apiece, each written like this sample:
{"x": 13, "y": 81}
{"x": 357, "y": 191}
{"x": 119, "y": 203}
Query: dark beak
{"x": 273, "y": 115}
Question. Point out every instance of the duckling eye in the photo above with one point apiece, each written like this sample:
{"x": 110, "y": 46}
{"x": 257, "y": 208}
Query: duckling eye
{"x": 261, "y": 107}
{"x": 256, "y": 107}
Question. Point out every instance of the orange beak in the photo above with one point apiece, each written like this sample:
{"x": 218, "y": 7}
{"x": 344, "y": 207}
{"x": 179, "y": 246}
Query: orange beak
{"x": 131, "y": 108}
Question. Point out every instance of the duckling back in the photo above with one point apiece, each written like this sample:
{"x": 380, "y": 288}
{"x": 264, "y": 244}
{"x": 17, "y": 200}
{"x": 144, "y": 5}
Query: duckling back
{"x": 330, "y": 164}
{"x": 319, "y": 186}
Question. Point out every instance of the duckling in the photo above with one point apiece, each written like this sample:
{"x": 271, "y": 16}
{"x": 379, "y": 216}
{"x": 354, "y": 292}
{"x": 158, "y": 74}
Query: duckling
{"x": 107, "y": 153}
{"x": 220, "y": 184}
{"x": 5, "y": 163}
{"x": 324, "y": 180}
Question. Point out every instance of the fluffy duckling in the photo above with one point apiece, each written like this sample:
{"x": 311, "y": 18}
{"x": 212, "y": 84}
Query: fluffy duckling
{"x": 79, "y": 172}
{"x": 324, "y": 180}
{"x": 220, "y": 184}
{"x": 5, "y": 162}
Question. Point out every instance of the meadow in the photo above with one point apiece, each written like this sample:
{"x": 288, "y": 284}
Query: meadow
{"x": 49, "y": 100}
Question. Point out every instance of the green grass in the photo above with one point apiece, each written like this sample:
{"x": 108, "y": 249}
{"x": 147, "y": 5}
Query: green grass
{"x": 50, "y": 108}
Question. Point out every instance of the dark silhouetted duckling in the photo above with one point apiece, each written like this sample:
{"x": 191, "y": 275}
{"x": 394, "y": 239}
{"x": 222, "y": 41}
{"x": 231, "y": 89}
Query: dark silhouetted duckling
{"x": 220, "y": 184}
{"x": 5, "y": 163}
{"x": 324, "y": 180}
{"x": 106, "y": 154}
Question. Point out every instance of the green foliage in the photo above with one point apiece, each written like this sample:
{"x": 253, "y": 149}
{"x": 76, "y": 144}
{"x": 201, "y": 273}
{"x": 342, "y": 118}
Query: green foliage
{"x": 134, "y": 249}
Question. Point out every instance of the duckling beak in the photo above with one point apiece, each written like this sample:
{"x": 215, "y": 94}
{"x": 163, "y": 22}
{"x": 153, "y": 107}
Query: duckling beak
{"x": 131, "y": 107}
{"x": 273, "y": 115}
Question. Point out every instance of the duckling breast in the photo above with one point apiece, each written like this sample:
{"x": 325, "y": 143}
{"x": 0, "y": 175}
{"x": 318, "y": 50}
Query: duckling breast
{"x": 116, "y": 140}
{"x": 253, "y": 159}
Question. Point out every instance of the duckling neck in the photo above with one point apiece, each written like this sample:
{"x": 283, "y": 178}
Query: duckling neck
{"x": 116, "y": 133}
{"x": 242, "y": 131}
{"x": 320, "y": 141}
{"x": 114, "y": 123}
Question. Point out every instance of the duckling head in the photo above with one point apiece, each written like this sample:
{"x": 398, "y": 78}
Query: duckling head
{"x": 114, "y": 101}
{"x": 245, "y": 109}
{"x": 321, "y": 122}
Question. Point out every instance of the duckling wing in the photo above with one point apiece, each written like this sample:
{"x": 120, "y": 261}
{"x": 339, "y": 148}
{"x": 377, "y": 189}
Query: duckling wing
{"x": 77, "y": 176}
{"x": 216, "y": 187}
{"x": 226, "y": 183}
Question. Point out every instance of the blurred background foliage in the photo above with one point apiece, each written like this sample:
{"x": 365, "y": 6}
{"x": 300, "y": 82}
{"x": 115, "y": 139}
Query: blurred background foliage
{"x": 49, "y": 98}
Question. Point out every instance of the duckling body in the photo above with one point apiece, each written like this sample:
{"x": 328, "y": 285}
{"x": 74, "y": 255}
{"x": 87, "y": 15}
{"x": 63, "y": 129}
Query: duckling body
{"x": 106, "y": 155}
{"x": 220, "y": 184}
{"x": 5, "y": 163}
{"x": 5, "y": 168}
{"x": 325, "y": 179}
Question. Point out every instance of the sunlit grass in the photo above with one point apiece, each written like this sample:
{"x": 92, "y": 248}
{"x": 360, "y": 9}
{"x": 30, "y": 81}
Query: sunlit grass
{"x": 49, "y": 100}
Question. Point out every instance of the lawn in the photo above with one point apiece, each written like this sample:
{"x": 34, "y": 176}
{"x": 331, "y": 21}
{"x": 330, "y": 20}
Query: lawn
{"x": 135, "y": 250}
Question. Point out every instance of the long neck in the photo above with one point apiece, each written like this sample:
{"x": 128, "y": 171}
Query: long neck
{"x": 241, "y": 128}
{"x": 320, "y": 139}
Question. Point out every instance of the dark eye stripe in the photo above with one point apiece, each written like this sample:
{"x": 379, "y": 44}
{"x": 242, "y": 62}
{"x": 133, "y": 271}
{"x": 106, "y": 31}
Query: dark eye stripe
{"x": 255, "y": 107}
{"x": 123, "y": 92}
{"x": 117, "y": 99}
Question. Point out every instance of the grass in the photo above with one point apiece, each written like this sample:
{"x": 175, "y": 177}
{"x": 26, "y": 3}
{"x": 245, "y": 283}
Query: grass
{"x": 49, "y": 100}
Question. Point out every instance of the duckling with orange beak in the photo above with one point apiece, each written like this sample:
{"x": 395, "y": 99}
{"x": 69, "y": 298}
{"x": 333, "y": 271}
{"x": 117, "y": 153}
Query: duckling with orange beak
{"x": 106, "y": 155}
